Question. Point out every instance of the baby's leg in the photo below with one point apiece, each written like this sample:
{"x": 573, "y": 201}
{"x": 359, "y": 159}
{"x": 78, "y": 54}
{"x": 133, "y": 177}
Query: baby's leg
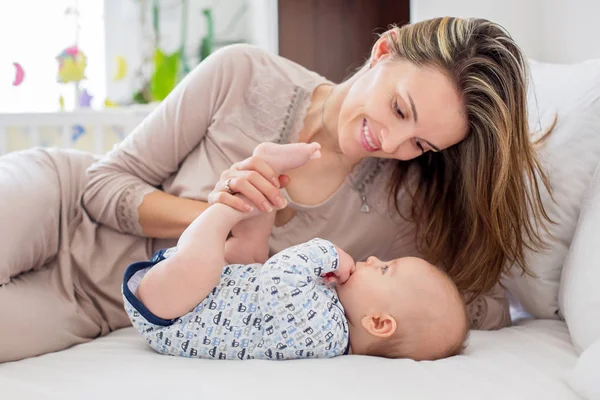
{"x": 282, "y": 157}
{"x": 249, "y": 241}
{"x": 179, "y": 283}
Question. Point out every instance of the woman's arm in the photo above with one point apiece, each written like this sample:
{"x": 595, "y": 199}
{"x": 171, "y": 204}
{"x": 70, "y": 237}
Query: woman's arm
{"x": 490, "y": 311}
{"x": 122, "y": 191}
{"x": 164, "y": 216}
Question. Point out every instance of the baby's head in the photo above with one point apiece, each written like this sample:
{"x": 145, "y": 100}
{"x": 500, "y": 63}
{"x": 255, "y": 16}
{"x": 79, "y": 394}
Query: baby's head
{"x": 405, "y": 308}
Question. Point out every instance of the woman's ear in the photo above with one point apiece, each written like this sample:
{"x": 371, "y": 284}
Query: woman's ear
{"x": 381, "y": 325}
{"x": 381, "y": 48}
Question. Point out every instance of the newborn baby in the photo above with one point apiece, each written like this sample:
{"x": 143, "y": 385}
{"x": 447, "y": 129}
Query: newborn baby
{"x": 308, "y": 301}
{"x": 405, "y": 308}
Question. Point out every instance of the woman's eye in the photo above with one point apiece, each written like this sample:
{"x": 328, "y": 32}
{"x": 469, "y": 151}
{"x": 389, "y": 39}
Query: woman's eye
{"x": 420, "y": 146}
{"x": 398, "y": 110}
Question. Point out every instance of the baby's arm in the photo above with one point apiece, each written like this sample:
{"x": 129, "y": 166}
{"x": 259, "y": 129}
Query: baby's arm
{"x": 346, "y": 267}
{"x": 177, "y": 284}
{"x": 299, "y": 266}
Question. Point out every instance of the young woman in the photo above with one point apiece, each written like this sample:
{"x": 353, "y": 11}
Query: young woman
{"x": 425, "y": 151}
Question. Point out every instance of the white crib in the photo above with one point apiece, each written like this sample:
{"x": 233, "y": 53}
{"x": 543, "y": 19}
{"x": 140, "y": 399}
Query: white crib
{"x": 88, "y": 130}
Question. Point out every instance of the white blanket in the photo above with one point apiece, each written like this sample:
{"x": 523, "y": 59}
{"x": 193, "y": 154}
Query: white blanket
{"x": 528, "y": 361}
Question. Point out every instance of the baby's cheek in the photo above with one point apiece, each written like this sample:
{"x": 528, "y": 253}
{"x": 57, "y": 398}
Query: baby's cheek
{"x": 363, "y": 289}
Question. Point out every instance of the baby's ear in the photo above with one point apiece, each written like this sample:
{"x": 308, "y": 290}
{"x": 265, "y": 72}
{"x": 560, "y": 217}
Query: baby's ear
{"x": 380, "y": 325}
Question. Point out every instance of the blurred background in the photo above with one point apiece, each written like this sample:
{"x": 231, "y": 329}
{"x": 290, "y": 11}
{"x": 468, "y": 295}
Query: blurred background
{"x": 135, "y": 51}
{"x": 113, "y": 56}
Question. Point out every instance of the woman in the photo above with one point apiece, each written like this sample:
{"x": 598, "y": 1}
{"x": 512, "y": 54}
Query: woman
{"x": 425, "y": 151}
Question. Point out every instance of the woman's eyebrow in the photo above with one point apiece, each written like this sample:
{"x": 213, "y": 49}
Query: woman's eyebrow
{"x": 412, "y": 107}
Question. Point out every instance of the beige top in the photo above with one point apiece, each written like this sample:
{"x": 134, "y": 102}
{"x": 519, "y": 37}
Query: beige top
{"x": 237, "y": 98}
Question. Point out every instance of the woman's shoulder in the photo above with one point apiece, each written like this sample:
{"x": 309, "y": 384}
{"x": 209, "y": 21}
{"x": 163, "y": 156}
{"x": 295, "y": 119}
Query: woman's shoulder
{"x": 267, "y": 94}
{"x": 241, "y": 54}
{"x": 262, "y": 65}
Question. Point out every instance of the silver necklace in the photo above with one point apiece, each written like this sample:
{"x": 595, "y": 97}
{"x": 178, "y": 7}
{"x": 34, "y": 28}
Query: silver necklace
{"x": 361, "y": 187}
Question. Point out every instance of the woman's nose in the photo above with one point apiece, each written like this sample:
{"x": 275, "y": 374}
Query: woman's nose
{"x": 391, "y": 141}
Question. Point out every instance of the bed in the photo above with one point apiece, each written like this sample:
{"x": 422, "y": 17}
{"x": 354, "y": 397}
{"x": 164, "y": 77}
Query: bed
{"x": 551, "y": 352}
{"x": 529, "y": 360}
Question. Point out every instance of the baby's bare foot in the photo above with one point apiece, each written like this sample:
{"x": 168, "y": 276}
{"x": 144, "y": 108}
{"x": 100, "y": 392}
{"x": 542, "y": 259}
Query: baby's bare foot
{"x": 282, "y": 157}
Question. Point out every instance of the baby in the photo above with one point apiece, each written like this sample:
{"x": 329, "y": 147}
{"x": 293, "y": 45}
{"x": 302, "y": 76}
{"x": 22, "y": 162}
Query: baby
{"x": 308, "y": 301}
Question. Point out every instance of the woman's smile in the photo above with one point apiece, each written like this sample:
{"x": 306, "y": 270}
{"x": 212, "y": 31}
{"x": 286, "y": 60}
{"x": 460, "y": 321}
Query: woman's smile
{"x": 368, "y": 141}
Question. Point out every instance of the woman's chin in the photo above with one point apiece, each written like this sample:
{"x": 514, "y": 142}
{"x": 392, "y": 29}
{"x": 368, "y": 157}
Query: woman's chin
{"x": 352, "y": 152}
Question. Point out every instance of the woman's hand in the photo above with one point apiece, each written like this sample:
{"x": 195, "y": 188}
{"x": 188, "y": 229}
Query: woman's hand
{"x": 256, "y": 180}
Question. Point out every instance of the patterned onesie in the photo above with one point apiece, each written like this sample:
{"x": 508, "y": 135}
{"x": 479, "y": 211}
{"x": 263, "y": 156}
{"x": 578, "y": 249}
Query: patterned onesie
{"x": 279, "y": 310}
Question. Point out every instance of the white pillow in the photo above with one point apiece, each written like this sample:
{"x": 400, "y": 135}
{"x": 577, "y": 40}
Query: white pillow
{"x": 579, "y": 293}
{"x": 570, "y": 155}
{"x": 585, "y": 376}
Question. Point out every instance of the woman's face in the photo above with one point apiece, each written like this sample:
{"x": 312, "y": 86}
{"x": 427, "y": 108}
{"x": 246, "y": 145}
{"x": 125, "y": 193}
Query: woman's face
{"x": 399, "y": 110}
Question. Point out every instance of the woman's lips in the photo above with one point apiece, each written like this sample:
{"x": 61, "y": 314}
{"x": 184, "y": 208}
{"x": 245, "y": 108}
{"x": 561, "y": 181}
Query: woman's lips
{"x": 368, "y": 141}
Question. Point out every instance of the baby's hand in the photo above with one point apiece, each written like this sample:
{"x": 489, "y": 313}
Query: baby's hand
{"x": 345, "y": 268}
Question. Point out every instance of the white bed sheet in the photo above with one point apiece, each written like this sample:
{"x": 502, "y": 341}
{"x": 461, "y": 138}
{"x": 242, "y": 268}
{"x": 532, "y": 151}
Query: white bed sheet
{"x": 528, "y": 361}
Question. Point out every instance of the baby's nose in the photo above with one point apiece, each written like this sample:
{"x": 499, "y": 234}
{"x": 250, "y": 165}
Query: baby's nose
{"x": 371, "y": 260}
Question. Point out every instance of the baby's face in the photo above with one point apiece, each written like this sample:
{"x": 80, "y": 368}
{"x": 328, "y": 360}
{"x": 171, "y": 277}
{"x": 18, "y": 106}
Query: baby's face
{"x": 415, "y": 293}
{"x": 376, "y": 285}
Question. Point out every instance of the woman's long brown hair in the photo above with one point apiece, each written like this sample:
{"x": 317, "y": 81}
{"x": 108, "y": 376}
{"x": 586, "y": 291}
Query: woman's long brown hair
{"x": 477, "y": 204}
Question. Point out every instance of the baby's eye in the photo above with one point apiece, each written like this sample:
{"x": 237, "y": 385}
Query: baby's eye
{"x": 384, "y": 269}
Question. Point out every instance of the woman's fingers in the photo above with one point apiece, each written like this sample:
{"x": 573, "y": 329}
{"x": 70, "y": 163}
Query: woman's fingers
{"x": 259, "y": 190}
{"x": 254, "y": 179}
{"x": 250, "y": 184}
{"x": 259, "y": 165}
{"x": 248, "y": 187}
{"x": 230, "y": 200}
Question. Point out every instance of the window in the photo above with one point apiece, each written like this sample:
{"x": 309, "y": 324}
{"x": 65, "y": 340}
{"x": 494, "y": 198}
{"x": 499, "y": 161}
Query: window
{"x": 33, "y": 33}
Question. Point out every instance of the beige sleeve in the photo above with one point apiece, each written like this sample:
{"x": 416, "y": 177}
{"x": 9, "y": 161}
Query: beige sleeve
{"x": 490, "y": 311}
{"x": 154, "y": 150}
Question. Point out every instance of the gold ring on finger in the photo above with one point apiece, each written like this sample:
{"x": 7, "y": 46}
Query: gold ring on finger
{"x": 227, "y": 187}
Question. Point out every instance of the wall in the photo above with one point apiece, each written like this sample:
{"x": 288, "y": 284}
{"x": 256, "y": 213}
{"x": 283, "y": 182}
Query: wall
{"x": 123, "y": 36}
{"x": 264, "y": 24}
{"x": 560, "y": 31}
{"x": 571, "y": 30}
